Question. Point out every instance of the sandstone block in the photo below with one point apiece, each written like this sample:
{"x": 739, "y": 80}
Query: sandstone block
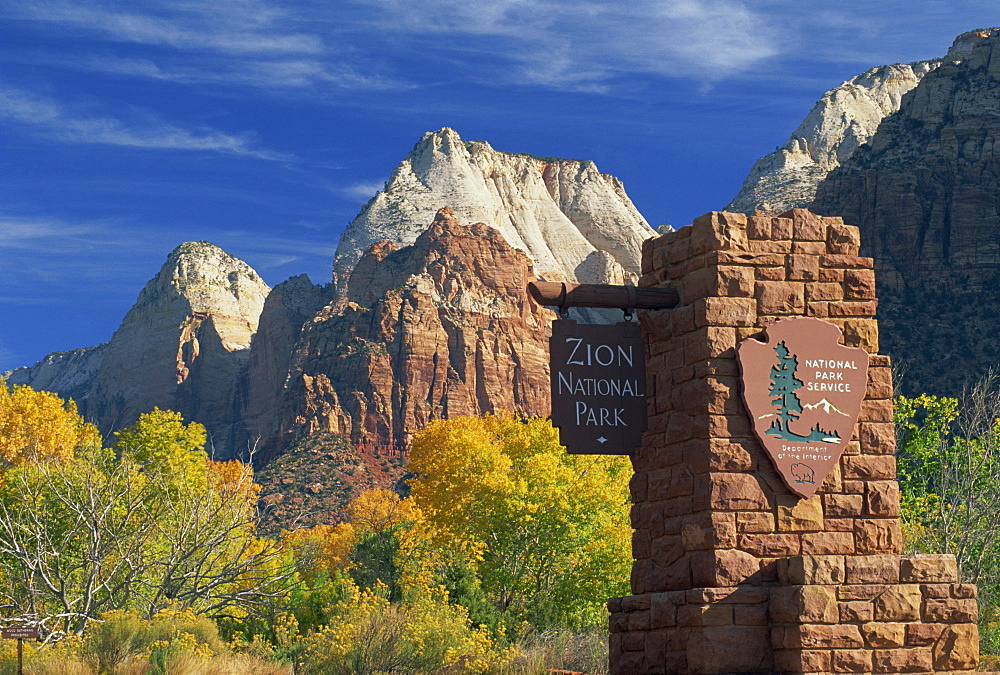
{"x": 733, "y": 281}
{"x": 880, "y": 383}
{"x": 675, "y": 481}
{"x": 666, "y": 550}
{"x": 759, "y": 227}
{"x": 876, "y": 411}
{"x": 859, "y": 333}
{"x": 877, "y": 438}
{"x": 635, "y": 603}
{"x": 729, "y": 492}
{"x": 830, "y": 275}
{"x": 963, "y": 590}
{"x": 769, "y": 273}
{"x": 782, "y": 228}
{"x": 806, "y": 225}
{"x": 957, "y": 648}
{"x": 828, "y": 543}
{"x": 638, "y": 621}
{"x": 856, "y": 611}
{"x": 869, "y": 467}
{"x": 780, "y": 297}
{"x": 859, "y": 283}
{"x": 662, "y": 612}
{"x": 719, "y": 231}
{"x": 824, "y": 291}
{"x": 936, "y": 590}
{"x": 705, "y": 615}
{"x": 755, "y": 522}
{"x": 803, "y": 267}
{"x": 923, "y": 634}
{"x": 823, "y": 636}
{"x": 729, "y": 595}
{"x": 726, "y": 567}
{"x": 852, "y": 661}
{"x": 709, "y": 530}
{"x": 846, "y": 261}
{"x": 718, "y": 454}
{"x": 640, "y": 544}
{"x": 728, "y": 649}
{"x": 899, "y": 603}
{"x": 872, "y": 569}
{"x": 860, "y": 591}
{"x": 802, "y": 660}
{"x": 928, "y": 568}
{"x": 813, "y": 248}
{"x": 800, "y": 515}
{"x": 770, "y": 545}
{"x": 750, "y": 615}
{"x": 804, "y": 604}
{"x": 811, "y": 569}
{"x": 655, "y": 648}
{"x": 843, "y": 239}
{"x": 880, "y": 535}
{"x": 914, "y": 660}
{"x": 884, "y": 635}
{"x": 882, "y": 498}
{"x": 709, "y": 342}
{"x": 731, "y": 311}
{"x": 841, "y": 505}
{"x": 950, "y": 610}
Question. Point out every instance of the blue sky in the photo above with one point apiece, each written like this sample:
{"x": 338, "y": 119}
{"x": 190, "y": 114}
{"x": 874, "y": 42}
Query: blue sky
{"x": 129, "y": 127}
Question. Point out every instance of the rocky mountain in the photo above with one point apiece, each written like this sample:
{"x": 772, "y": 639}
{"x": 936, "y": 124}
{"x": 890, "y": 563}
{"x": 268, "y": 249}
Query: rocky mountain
{"x": 182, "y": 346}
{"x": 925, "y": 191}
{"x": 71, "y": 373}
{"x": 439, "y": 328}
{"x": 840, "y": 122}
{"x": 428, "y": 317}
{"x": 575, "y": 223}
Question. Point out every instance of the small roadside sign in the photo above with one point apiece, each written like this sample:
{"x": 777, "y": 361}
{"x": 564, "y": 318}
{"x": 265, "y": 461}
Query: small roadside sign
{"x": 19, "y": 632}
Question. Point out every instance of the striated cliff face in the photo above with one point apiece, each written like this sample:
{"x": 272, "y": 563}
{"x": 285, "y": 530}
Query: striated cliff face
{"x": 841, "y": 121}
{"x": 575, "y": 223}
{"x": 925, "y": 192}
{"x": 439, "y": 328}
{"x": 262, "y": 385}
{"x": 183, "y": 344}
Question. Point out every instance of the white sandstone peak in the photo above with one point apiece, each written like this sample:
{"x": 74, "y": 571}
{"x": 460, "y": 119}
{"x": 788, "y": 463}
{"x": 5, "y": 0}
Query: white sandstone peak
{"x": 560, "y": 212}
{"x": 842, "y": 120}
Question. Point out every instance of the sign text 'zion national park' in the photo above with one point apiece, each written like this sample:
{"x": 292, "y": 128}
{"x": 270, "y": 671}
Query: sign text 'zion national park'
{"x": 598, "y": 386}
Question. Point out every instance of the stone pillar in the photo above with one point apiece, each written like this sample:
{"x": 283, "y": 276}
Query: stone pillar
{"x": 734, "y": 573}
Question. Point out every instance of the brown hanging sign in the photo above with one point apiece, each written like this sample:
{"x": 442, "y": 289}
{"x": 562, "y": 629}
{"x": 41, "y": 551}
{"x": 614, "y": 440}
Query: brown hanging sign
{"x": 803, "y": 390}
{"x": 598, "y": 386}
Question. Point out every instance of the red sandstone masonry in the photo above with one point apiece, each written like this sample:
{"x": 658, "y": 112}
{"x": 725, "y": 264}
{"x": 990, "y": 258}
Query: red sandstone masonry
{"x": 732, "y": 572}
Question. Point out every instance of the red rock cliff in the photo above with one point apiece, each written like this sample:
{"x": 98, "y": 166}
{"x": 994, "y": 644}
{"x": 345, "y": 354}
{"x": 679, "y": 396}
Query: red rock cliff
{"x": 436, "y": 329}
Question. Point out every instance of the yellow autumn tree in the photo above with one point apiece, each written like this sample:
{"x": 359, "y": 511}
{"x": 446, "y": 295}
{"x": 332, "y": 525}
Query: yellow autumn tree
{"x": 550, "y": 530}
{"x": 41, "y": 426}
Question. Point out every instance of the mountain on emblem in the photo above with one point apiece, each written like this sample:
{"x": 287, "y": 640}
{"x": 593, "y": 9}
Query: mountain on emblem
{"x": 803, "y": 390}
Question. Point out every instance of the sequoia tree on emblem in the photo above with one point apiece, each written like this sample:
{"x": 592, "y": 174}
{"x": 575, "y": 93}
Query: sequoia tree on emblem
{"x": 803, "y": 390}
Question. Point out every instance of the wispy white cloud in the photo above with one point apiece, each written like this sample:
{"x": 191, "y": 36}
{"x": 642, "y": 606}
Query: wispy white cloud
{"x": 561, "y": 43}
{"x": 234, "y": 26}
{"x": 362, "y": 191}
{"x": 54, "y": 120}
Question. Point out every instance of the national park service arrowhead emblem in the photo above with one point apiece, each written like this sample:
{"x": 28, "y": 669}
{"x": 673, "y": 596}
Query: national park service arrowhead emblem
{"x": 803, "y": 390}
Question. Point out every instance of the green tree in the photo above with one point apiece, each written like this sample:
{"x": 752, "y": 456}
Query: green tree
{"x": 547, "y": 532}
{"x": 949, "y": 474}
{"x": 783, "y": 386}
